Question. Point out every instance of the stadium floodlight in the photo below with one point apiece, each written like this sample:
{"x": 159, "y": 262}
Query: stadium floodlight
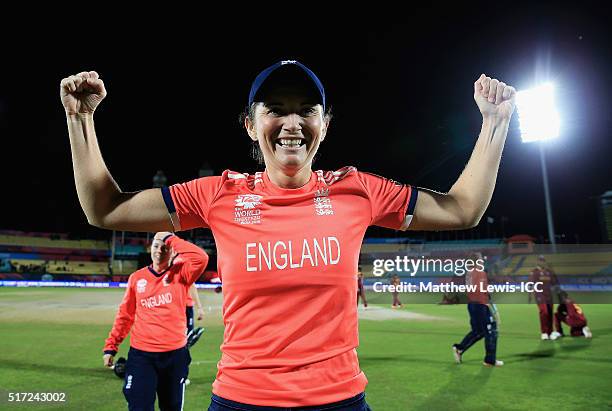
{"x": 538, "y": 117}
{"x": 539, "y": 121}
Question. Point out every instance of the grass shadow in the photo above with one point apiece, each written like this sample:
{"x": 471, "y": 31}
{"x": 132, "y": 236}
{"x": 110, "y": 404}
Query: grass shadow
{"x": 456, "y": 394}
{"x": 100, "y": 373}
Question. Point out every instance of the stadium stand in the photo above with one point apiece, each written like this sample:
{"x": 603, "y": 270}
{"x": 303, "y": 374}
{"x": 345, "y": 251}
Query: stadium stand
{"x": 47, "y": 255}
{"x": 576, "y": 263}
{"x": 46, "y": 242}
{"x": 56, "y": 257}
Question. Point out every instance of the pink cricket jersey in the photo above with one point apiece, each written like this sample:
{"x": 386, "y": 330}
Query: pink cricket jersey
{"x": 288, "y": 259}
{"x": 153, "y": 305}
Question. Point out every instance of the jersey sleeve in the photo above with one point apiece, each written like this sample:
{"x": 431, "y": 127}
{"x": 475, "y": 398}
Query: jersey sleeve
{"x": 193, "y": 259}
{"x": 392, "y": 204}
{"x": 189, "y": 203}
{"x": 123, "y": 320}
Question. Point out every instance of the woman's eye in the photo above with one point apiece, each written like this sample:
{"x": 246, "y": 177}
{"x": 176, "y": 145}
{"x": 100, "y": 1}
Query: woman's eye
{"x": 274, "y": 111}
{"x": 304, "y": 112}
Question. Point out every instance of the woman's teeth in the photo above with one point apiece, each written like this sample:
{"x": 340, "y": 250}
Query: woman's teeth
{"x": 285, "y": 142}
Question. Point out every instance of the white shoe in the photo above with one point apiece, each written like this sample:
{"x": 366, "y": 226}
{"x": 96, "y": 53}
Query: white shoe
{"x": 457, "y": 355}
{"x": 545, "y": 336}
{"x": 498, "y": 363}
{"x": 187, "y": 382}
{"x": 554, "y": 335}
{"x": 587, "y": 332}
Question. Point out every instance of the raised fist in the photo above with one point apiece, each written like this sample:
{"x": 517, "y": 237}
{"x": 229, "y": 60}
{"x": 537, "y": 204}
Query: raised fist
{"x": 82, "y": 92}
{"x": 494, "y": 98}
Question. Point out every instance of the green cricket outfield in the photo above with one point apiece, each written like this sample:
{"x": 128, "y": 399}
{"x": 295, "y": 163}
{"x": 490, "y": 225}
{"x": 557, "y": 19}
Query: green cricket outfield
{"x": 51, "y": 341}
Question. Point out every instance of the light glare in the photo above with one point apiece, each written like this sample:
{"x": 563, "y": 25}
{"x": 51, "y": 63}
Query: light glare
{"x": 538, "y": 117}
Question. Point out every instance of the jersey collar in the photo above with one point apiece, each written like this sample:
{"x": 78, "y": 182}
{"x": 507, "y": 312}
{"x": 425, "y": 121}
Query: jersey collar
{"x": 274, "y": 189}
{"x": 155, "y": 273}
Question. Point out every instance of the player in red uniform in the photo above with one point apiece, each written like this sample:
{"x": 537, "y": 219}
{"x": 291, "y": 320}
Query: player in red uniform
{"x": 571, "y": 314}
{"x": 543, "y": 273}
{"x": 288, "y": 237}
{"x": 396, "y": 281}
{"x": 360, "y": 289}
{"x": 153, "y": 310}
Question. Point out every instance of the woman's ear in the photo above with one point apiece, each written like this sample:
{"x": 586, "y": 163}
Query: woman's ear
{"x": 250, "y": 128}
{"x": 326, "y": 121}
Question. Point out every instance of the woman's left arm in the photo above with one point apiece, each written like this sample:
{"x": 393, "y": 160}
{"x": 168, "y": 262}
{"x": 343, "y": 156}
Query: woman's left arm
{"x": 465, "y": 203}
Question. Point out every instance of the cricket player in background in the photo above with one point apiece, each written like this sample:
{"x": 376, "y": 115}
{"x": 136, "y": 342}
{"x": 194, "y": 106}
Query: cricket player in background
{"x": 193, "y": 334}
{"x": 153, "y": 310}
{"x": 396, "y": 281}
{"x": 571, "y": 314}
{"x": 483, "y": 319}
{"x": 544, "y": 273}
{"x": 361, "y": 289}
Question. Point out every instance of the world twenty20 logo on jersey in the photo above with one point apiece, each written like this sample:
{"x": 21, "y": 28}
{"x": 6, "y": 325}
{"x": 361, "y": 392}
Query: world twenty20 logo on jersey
{"x": 141, "y": 285}
{"x": 246, "y": 209}
{"x": 248, "y": 201}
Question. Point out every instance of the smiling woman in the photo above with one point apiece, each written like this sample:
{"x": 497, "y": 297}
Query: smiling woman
{"x": 290, "y": 316}
{"x": 287, "y": 117}
{"x": 288, "y": 129}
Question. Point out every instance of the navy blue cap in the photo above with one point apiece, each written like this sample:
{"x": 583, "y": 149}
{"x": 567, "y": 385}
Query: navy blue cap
{"x": 261, "y": 78}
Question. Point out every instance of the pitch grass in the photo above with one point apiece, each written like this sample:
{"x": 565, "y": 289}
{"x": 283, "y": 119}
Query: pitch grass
{"x": 408, "y": 363}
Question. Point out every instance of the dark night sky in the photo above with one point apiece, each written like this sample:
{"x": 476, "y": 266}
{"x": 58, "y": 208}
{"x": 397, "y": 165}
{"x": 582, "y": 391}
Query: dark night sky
{"x": 401, "y": 96}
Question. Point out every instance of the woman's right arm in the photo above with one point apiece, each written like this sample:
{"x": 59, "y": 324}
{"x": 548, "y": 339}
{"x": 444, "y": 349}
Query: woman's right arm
{"x": 103, "y": 202}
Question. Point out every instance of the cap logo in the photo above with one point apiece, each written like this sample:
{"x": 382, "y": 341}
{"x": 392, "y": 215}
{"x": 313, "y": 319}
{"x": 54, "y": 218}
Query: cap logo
{"x": 288, "y": 62}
